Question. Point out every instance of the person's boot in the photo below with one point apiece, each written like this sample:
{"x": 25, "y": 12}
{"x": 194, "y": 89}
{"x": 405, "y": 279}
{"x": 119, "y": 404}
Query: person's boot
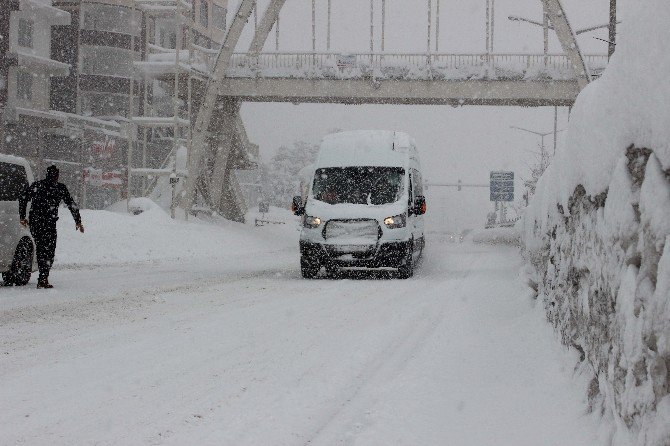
{"x": 44, "y": 283}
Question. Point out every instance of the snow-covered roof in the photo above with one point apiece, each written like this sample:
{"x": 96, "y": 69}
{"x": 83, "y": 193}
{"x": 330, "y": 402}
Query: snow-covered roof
{"x": 365, "y": 148}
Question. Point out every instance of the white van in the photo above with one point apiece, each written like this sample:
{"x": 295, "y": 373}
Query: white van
{"x": 364, "y": 207}
{"x": 17, "y": 250}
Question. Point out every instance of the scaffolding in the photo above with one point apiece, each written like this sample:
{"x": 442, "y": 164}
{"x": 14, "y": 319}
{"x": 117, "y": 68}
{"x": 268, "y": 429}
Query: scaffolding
{"x": 181, "y": 63}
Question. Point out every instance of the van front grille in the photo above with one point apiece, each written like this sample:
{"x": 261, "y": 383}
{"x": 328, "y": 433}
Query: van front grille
{"x": 352, "y": 232}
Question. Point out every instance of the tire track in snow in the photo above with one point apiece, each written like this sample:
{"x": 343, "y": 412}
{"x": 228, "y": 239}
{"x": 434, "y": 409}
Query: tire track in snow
{"x": 389, "y": 363}
{"x": 24, "y": 328}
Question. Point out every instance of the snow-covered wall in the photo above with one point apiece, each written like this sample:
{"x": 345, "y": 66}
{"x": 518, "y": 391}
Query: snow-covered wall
{"x": 597, "y": 232}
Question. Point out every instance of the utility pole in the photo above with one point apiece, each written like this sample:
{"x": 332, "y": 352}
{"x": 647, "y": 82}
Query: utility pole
{"x": 545, "y": 29}
{"x": 488, "y": 28}
{"x": 383, "y": 25}
{"x": 372, "y": 28}
{"x": 277, "y": 34}
{"x": 430, "y": 19}
{"x": 493, "y": 22}
{"x": 313, "y": 26}
{"x": 555, "y": 128}
{"x": 612, "y": 28}
{"x": 175, "y": 110}
{"x": 328, "y": 28}
{"x": 131, "y": 101}
{"x": 437, "y": 27}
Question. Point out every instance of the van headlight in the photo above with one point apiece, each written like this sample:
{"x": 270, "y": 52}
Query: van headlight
{"x": 397, "y": 221}
{"x": 312, "y": 222}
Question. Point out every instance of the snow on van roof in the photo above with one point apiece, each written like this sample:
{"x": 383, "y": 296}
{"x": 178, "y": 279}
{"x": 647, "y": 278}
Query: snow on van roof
{"x": 365, "y": 148}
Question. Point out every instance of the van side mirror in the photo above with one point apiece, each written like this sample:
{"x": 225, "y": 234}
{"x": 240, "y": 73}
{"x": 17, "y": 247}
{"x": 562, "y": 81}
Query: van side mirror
{"x": 297, "y": 207}
{"x": 420, "y": 205}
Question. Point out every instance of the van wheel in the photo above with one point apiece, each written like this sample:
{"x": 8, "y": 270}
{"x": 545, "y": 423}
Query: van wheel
{"x": 407, "y": 270}
{"x": 308, "y": 268}
{"x": 22, "y": 265}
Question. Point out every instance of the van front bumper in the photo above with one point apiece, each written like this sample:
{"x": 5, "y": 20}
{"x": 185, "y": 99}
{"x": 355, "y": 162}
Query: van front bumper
{"x": 383, "y": 255}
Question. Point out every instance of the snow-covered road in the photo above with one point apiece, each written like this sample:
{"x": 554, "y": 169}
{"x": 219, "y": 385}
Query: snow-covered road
{"x": 200, "y": 352}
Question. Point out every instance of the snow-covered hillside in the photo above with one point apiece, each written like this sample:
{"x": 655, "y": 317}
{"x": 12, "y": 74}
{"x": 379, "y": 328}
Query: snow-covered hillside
{"x": 598, "y": 233}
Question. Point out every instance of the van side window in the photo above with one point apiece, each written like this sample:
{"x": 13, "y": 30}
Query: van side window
{"x": 410, "y": 193}
{"x": 13, "y": 181}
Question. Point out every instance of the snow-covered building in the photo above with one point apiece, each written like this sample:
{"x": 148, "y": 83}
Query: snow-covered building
{"x": 106, "y": 37}
{"x": 32, "y": 122}
{"x": 107, "y": 86}
{"x": 26, "y": 70}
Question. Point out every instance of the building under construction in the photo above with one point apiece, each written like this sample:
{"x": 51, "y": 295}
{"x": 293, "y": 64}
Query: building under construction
{"x": 108, "y": 90}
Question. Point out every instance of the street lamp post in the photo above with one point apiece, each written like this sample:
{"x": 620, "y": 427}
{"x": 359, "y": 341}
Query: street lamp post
{"x": 542, "y": 136}
{"x": 612, "y": 29}
{"x": 545, "y": 33}
{"x": 546, "y": 26}
{"x": 514, "y": 18}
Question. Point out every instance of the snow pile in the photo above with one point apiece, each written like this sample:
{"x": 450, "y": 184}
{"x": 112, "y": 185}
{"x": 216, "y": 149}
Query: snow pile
{"x": 114, "y": 237}
{"x": 275, "y": 216}
{"x": 162, "y": 191}
{"x": 597, "y": 233}
{"x": 496, "y": 236}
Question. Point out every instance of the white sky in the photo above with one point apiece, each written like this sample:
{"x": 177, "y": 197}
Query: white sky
{"x": 464, "y": 143}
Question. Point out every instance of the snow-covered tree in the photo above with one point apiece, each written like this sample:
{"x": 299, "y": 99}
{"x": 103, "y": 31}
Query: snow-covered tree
{"x": 281, "y": 181}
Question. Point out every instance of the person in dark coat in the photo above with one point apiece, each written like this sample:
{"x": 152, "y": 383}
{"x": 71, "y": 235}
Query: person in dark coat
{"x": 45, "y": 197}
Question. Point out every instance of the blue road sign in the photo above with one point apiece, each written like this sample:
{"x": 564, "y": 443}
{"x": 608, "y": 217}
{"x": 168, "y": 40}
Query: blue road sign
{"x": 502, "y": 186}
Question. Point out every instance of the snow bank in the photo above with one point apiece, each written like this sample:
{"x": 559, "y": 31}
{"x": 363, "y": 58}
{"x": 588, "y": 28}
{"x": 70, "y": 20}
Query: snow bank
{"x": 114, "y": 237}
{"x": 597, "y": 233}
{"x": 497, "y": 236}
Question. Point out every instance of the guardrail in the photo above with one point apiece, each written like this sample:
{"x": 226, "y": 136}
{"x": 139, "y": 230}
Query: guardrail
{"x": 307, "y": 64}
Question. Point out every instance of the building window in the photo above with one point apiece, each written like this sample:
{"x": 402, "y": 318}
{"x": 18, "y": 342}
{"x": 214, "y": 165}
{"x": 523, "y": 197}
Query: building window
{"x": 24, "y": 86}
{"x": 219, "y": 17}
{"x": 107, "y": 61}
{"x": 26, "y": 33}
{"x": 167, "y": 38}
{"x": 107, "y": 104}
{"x": 204, "y": 13}
{"x": 110, "y": 18}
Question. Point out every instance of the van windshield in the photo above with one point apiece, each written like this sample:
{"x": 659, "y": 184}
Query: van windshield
{"x": 358, "y": 185}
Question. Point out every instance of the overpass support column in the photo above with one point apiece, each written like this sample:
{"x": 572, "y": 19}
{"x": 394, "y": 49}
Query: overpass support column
{"x": 230, "y": 203}
{"x": 202, "y": 123}
{"x": 221, "y": 141}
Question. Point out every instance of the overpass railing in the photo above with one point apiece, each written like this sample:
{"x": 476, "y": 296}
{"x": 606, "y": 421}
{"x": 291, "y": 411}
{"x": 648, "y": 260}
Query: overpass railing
{"x": 410, "y": 66}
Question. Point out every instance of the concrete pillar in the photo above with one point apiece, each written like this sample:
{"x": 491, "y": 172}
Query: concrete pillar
{"x": 223, "y": 131}
{"x": 229, "y": 203}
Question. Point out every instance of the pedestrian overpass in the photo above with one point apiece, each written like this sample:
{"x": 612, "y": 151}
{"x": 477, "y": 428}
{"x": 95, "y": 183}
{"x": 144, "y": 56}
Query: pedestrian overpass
{"x": 453, "y": 79}
{"x": 364, "y": 78}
